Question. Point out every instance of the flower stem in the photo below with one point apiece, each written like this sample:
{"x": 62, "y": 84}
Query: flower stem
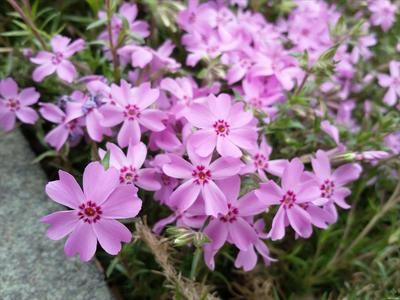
{"x": 195, "y": 262}
{"x": 110, "y": 39}
{"x": 28, "y": 22}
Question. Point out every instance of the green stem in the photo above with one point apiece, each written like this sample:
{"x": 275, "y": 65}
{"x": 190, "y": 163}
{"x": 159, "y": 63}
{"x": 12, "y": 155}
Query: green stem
{"x": 28, "y": 22}
{"x": 195, "y": 263}
{"x": 110, "y": 40}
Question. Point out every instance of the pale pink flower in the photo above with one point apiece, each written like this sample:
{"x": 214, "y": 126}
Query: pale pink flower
{"x": 69, "y": 126}
{"x": 331, "y": 184}
{"x": 94, "y": 211}
{"x": 223, "y": 126}
{"x": 233, "y": 226}
{"x": 199, "y": 176}
{"x": 130, "y": 166}
{"x": 392, "y": 82}
{"x": 383, "y": 13}
{"x": 292, "y": 198}
{"x": 14, "y": 104}
{"x": 131, "y": 107}
{"x": 57, "y": 61}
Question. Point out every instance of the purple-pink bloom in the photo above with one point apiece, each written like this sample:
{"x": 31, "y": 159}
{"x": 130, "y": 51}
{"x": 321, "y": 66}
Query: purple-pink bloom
{"x": 14, "y": 104}
{"x": 130, "y": 166}
{"x": 331, "y": 130}
{"x": 223, "y": 126}
{"x": 331, "y": 184}
{"x": 57, "y": 61}
{"x": 131, "y": 107}
{"x": 247, "y": 259}
{"x": 392, "y": 82}
{"x": 259, "y": 162}
{"x": 199, "y": 177}
{"x": 68, "y": 125}
{"x": 94, "y": 211}
{"x": 292, "y": 198}
{"x": 233, "y": 226}
{"x": 383, "y": 13}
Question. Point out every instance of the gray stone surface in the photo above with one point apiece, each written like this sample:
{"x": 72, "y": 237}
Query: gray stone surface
{"x": 31, "y": 265}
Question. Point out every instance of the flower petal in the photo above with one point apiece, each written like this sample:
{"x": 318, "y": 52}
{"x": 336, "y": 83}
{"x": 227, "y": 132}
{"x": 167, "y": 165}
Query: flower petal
{"x": 81, "y": 241}
{"x": 61, "y": 223}
{"x": 242, "y": 234}
{"x": 110, "y": 234}
{"x": 122, "y": 203}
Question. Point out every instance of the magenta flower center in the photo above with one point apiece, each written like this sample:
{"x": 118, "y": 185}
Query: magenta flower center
{"x": 71, "y": 125}
{"x": 132, "y": 112}
{"x": 192, "y": 18}
{"x": 221, "y": 128}
{"x": 260, "y": 161}
{"x": 57, "y": 58}
{"x": 232, "y": 214}
{"x": 201, "y": 175}
{"x": 245, "y": 63}
{"x": 128, "y": 175}
{"x": 89, "y": 212}
{"x": 13, "y": 104}
{"x": 288, "y": 199}
{"x": 327, "y": 188}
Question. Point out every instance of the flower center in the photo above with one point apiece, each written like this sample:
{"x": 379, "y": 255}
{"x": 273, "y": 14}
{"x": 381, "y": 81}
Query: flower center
{"x": 288, "y": 199}
{"x": 132, "y": 112}
{"x": 166, "y": 180}
{"x": 221, "y": 128}
{"x": 128, "y": 175}
{"x": 71, "y": 125}
{"x": 201, "y": 175}
{"x": 13, "y": 104}
{"x": 192, "y": 18}
{"x": 245, "y": 63}
{"x": 260, "y": 161}
{"x": 57, "y": 58}
{"x": 231, "y": 215}
{"x": 89, "y": 212}
{"x": 327, "y": 188}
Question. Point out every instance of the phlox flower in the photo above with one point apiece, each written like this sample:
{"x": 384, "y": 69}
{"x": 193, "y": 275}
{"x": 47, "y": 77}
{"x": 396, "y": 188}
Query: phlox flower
{"x": 223, "y": 126}
{"x": 233, "y": 226}
{"x": 331, "y": 130}
{"x": 383, "y": 13}
{"x": 131, "y": 107}
{"x": 193, "y": 217}
{"x": 331, "y": 184}
{"x": 392, "y": 82}
{"x": 68, "y": 125}
{"x": 94, "y": 211}
{"x": 247, "y": 259}
{"x": 259, "y": 162}
{"x": 130, "y": 166}
{"x": 292, "y": 198}
{"x": 14, "y": 104}
{"x": 57, "y": 61}
{"x": 199, "y": 177}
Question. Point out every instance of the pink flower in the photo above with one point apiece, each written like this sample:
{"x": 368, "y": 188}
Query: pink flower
{"x": 331, "y": 184}
{"x": 199, "y": 176}
{"x": 93, "y": 213}
{"x": 292, "y": 197}
{"x": 383, "y": 13}
{"x": 331, "y": 130}
{"x": 233, "y": 226}
{"x": 131, "y": 108}
{"x": 130, "y": 166}
{"x": 247, "y": 259}
{"x": 259, "y": 161}
{"x": 223, "y": 126}
{"x": 87, "y": 106}
{"x": 68, "y": 125}
{"x": 16, "y": 105}
{"x": 392, "y": 82}
{"x": 57, "y": 61}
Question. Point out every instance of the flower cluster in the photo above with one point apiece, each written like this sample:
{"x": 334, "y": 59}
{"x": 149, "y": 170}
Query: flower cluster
{"x": 194, "y": 146}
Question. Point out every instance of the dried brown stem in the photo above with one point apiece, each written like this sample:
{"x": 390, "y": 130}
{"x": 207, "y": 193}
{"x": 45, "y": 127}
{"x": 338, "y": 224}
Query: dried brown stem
{"x": 191, "y": 290}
